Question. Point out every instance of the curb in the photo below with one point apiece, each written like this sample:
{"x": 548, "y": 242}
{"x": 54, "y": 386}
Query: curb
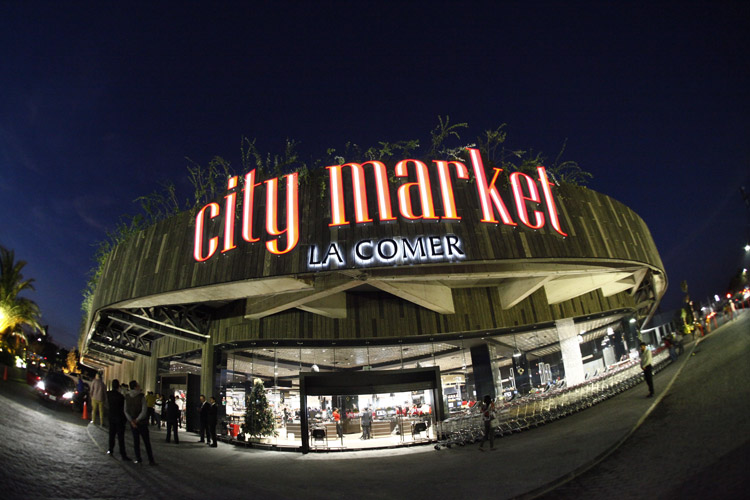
{"x": 578, "y": 471}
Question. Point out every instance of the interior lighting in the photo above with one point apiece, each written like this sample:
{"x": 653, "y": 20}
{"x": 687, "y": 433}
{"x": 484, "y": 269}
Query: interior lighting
{"x": 516, "y": 351}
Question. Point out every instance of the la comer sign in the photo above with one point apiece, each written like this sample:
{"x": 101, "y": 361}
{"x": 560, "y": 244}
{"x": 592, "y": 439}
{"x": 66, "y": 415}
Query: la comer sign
{"x": 415, "y": 203}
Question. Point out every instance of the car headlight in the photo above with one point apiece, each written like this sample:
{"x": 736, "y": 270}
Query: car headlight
{"x": 68, "y": 395}
{"x": 40, "y": 385}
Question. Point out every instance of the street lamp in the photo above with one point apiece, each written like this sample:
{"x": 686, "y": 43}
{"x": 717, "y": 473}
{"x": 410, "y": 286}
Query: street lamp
{"x": 747, "y": 247}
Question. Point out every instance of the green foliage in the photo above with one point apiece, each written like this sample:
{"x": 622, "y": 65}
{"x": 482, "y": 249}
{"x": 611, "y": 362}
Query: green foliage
{"x": 259, "y": 419}
{"x": 210, "y": 181}
{"x": 15, "y": 311}
{"x": 443, "y": 131}
{"x": 159, "y": 205}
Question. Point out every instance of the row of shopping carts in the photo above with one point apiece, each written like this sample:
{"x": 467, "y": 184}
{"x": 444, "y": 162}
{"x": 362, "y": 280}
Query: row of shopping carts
{"x": 537, "y": 409}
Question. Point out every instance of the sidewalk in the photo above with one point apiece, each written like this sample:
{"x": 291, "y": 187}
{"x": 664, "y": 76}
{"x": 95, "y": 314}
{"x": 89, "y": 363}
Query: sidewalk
{"x": 524, "y": 465}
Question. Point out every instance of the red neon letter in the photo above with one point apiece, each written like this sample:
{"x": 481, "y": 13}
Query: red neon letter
{"x": 231, "y": 202}
{"x": 523, "y": 214}
{"x": 292, "y": 214}
{"x": 212, "y": 242}
{"x": 247, "y": 208}
{"x": 425, "y": 191}
{"x": 488, "y": 195}
{"x": 554, "y": 219}
{"x": 361, "y": 212}
{"x": 446, "y": 186}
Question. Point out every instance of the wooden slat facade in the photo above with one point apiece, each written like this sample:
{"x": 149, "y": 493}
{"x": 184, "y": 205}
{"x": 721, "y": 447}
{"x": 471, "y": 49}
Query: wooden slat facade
{"x": 600, "y": 229}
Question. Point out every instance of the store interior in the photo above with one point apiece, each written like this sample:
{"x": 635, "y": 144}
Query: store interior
{"x": 523, "y": 361}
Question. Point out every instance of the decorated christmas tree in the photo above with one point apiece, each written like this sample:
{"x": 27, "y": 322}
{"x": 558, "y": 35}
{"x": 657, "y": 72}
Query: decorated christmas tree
{"x": 259, "y": 420}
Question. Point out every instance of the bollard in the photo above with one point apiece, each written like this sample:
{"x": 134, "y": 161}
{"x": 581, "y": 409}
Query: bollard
{"x": 85, "y": 411}
{"x": 5, "y": 374}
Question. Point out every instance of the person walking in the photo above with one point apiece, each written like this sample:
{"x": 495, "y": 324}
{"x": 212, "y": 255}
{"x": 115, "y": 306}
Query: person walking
{"x": 116, "y": 404}
{"x": 136, "y": 413}
{"x": 488, "y": 413}
{"x": 98, "y": 393}
{"x": 646, "y": 366}
{"x": 213, "y": 417}
{"x": 204, "y": 419}
{"x": 172, "y": 417}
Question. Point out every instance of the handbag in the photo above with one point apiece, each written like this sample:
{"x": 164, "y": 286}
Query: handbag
{"x": 494, "y": 422}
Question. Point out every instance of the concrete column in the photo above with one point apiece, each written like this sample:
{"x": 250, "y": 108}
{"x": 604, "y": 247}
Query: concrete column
{"x": 485, "y": 373}
{"x": 571, "y": 351}
{"x": 150, "y": 369}
{"x": 207, "y": 368}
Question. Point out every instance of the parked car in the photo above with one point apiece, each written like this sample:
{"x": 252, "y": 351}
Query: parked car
{"x": 61, "y": 389}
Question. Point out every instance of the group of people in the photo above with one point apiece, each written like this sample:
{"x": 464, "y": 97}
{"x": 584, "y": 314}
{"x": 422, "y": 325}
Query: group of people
{"x": 209, "y": 413}
{"x": 130, "y": 407}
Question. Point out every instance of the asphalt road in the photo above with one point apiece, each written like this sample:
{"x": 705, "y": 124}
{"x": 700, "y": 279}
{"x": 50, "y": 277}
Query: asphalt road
{"x": 694, "y": 444}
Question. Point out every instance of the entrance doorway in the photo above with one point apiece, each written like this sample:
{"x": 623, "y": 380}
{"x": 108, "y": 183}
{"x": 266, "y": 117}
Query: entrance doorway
{"x": 345, "y": 390}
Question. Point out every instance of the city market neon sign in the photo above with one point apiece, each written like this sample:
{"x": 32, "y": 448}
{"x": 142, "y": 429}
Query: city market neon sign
{"x": 494, "y": 210}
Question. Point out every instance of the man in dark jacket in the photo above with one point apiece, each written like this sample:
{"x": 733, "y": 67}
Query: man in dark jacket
{"x": 173, "y": 415}
{"x": 116, "y": 403}
{"x": 204, "y": 419}
{"x": 213, "y": 416}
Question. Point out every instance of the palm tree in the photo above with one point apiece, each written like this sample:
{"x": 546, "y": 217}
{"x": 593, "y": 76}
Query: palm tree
{"x": 15, "y": 311}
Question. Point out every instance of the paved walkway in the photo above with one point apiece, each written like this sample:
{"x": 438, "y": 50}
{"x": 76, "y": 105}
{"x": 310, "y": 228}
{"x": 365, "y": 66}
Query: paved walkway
{"x": 524, "y": 465}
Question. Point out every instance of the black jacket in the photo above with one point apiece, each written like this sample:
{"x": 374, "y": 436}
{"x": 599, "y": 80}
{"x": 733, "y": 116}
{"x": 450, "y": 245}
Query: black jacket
{"x": 213, "y": 414}
{"x": 116, "y": 403}
{"x": 204, "y": 411}
{"x": 173, "y": 412}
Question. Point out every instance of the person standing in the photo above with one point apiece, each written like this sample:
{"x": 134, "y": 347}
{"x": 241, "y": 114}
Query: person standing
{"x": 136, "y": 413}
{"x": 116, "y": 403}
{"x": 159, "y": 409}
{"x": 337, "y": 418}
{"x": 181, "y": 406}
{"x": 98, "y": 393}
{"x": 151, "y": 403}
{"x": 213, "y": 417}
{"x": 173, "y": 416}
{"x": 488, "y": 413}
{"x": 646, "y": 366}
{"x": 366, "y": 421}
{"x": 204, "y": 419}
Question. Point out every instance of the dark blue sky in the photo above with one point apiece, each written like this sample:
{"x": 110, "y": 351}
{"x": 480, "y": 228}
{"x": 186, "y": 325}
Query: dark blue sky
{"x": 100, "y": 102}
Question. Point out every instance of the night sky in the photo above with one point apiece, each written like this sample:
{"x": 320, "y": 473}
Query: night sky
{"x": 101, "y": 102}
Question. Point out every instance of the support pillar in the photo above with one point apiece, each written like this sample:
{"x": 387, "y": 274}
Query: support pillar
{"x": 208, "y": 362}
{"x": 571, "y": 351}
{"x": 485, "y": 373}
{"x": 151, "y": 367}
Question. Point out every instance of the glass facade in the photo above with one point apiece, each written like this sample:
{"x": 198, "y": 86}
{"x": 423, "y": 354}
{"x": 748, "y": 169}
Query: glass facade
{"x": 515, "y": 364}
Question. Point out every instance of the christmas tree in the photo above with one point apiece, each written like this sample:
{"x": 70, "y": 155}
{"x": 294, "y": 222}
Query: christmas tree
{"x": 259, "y": 420}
